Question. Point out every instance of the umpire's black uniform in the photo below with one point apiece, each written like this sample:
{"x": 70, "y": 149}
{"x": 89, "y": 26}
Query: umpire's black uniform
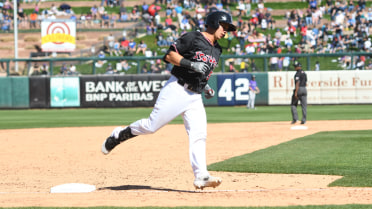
{"x": 299, "y": 93}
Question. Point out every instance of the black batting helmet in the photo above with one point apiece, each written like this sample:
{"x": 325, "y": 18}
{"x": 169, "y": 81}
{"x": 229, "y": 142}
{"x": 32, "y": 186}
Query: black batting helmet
{"x": 214, "y": 19}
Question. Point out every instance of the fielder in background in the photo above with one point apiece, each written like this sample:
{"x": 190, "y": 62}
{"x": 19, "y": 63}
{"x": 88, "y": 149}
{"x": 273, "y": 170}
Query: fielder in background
{"x": 253, "y": 90}
{"x": 194, "y": 56}
{"x": 299, "y": 93}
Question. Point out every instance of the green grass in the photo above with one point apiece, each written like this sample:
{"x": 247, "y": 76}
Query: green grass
{"x": 344, "y": 153}
{"x": 34, "y": 118}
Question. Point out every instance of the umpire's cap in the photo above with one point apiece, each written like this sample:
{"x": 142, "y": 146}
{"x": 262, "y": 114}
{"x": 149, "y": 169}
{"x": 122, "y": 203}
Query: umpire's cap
{"x": 297, "y": 64}
{"x": 214, "y": 19}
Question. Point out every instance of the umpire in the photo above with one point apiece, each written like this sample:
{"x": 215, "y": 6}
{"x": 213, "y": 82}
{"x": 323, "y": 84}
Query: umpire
{"x": 299, "y": 93}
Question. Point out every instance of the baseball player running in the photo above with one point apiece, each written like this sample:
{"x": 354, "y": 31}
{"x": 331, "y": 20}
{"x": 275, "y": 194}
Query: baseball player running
{"x": 194, "y": 56}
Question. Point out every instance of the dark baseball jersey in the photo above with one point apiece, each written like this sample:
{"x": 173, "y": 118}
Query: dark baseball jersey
{"x": 195, "y": 47}
{"x": 301, "y": 77}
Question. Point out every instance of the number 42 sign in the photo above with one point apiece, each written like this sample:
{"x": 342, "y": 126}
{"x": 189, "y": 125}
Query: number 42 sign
{"x": 233, "y": 89}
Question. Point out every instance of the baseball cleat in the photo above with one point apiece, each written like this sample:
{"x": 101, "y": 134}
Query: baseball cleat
{"x": 112, "y": 141}
{"x": 207, "y": 181}
{"x": 294, "y": 121}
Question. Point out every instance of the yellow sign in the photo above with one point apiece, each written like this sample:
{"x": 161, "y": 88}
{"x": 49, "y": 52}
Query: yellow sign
{"x": 58, "y": 38}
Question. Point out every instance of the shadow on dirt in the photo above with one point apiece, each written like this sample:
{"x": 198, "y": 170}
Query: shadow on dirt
{"x": 140, "y": 187}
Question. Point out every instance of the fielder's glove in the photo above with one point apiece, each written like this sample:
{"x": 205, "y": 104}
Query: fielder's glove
{"x": 208, "y": 92}
{"x": 199, "y": 67}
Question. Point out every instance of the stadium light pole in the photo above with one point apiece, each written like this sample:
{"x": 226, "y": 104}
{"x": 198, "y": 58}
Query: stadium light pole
{"x": 15, "y": 27}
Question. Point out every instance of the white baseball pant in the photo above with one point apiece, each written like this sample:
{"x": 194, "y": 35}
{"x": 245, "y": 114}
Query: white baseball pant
{"x": 174, "y": 100}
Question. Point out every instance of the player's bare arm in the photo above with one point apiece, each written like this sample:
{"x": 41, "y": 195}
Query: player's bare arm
{"x": 173, "y": 58}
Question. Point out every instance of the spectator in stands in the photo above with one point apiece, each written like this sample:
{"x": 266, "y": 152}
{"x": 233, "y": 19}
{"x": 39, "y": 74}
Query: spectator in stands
{"x": 317, "y": 16}
{"x": 83, "y": 20}
{"x": 361, "y": 4}
{"x": 264, "y": 24}
{"x": 101, "y": 10}
{"x": 274, "y": 63}
{"x": 64, "y": 69}
{"x": 124, "y": 65}
{"x": 145, "y": 8}
{"x": 54, "y": 10}
{"x": 241, "y": 8}
{"x": 110, "y": 42}
{"x": 124, "y": 44}
{"x": 178, "y": 10}
{"x": 286, "y": 62}
{"x": 308, "y": 17}
{"x": 360, "y": 62}
{"x": 105, "y": 20}
{"x": 254, "y": 67}
{"x": 317, "y": 66}
{"x": 278, "y": 34}
{"x": 113, "y": 20}
{"x": 66, "y": 8}
{"x": 160, "y": 40}
{"x": 185, "y": 25}
{"x": 142, "y": 47}
{"x": 72, "y": 70}
{"x": 7, "y": 6}
{"x": 243, "y": 66}
{"x": 101, "y": 61}
{"x": 33, "y": 19}
{"x": 117, "y": 50}
{"x": 291, "y": 30}
{"x": 36, "y": 8}
{"x": 72, "y": 17}
{"x": 6, "y": 24}
{"x": 21, "y": 16}
{"x": 89, "y": 19}
{"x": 124, "y": 17}
{"x": 132, "y": 47}
{"x": 156, "y": 67}
{"x": 110, "y": 69}
{"x": 94, "y": 12}
{"x": 232, "y": 68}
{"x": 135, "y": 13}
{"x": 369, "y": 66}
{"x": 288, "y": 42}
{"x": 145, "y": 69}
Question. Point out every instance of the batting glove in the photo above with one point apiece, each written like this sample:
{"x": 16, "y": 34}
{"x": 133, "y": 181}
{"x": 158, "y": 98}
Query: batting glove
{"x": 208, "y": 92}
{"x": 199, "y": 67}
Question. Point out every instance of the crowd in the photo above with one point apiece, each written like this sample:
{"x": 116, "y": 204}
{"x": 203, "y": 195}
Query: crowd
{"x": 305, "y": 31}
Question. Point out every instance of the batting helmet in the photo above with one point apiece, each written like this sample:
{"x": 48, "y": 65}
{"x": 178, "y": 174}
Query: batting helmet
{"x": 214, "y": 19}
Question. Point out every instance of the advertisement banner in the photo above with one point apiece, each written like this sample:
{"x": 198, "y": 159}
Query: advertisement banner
{"x": 325, "y": 87}
{"x": 64, "y": 92}
{"x": 58, "y": 35}
{"x": 121, "y": 91}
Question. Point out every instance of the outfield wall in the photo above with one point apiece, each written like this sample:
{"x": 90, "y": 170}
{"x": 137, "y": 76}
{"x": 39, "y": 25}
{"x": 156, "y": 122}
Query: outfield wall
{"x": 325, "y": 87}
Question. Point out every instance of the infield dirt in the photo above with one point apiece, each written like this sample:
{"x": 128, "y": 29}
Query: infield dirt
{"x": 154, "y": 170}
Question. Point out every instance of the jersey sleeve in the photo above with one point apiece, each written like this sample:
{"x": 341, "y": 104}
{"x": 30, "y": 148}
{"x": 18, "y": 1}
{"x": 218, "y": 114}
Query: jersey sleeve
{"x": 183, "y": 44}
